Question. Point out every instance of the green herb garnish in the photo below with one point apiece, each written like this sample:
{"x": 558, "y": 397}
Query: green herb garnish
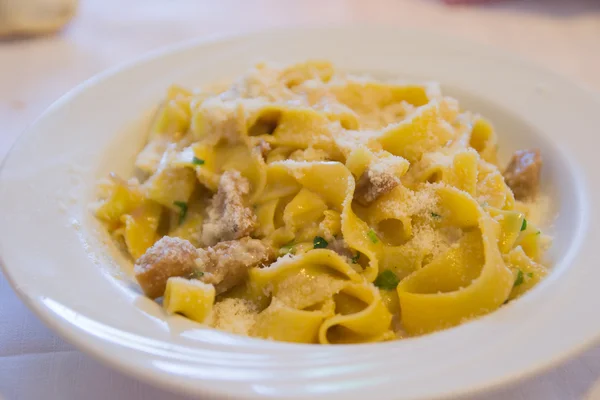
{"x": 287, "y": 248}
{"x": 387, "y": 280}
{"x": 355, "y": 258}
{"x": 530, "y": 274}
{"x": 373, "y": 236}
{"x": 435, "y": 215}
{"x": 183, "y": 208}
{"x": 319, "y": 242}
{"x": 538, "y": 233}
{"x": 519, "y": 279}
{"x": 524, "y": 225}
{"x": 196, "y": 275}
{"x": 197, "y": 161}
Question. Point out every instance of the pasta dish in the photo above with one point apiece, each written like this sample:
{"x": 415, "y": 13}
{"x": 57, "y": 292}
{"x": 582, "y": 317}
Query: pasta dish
{"x": 303, "y": 204}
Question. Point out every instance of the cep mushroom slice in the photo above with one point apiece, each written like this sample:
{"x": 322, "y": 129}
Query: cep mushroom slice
{"x": 168, "y": 257}
{"x": 226, "y": 264}
{"x": 523, "y": 173}
{"x": 380, "y": 177}
{"x": 229, "y": 216}
{"x": 372, "y": 184}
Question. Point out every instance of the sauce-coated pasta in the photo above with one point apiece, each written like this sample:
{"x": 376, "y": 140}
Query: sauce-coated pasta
{"x": 306, "y": 205}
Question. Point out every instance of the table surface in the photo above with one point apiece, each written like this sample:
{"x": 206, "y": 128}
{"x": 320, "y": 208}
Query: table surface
{"x": 34, "y": 362}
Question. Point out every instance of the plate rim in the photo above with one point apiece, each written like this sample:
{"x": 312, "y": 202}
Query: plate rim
{"x": 68, "y": 331}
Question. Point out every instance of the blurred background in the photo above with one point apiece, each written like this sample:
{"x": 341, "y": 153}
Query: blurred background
{"x": 40, "y": 59}
{"x": 564, "y": 35}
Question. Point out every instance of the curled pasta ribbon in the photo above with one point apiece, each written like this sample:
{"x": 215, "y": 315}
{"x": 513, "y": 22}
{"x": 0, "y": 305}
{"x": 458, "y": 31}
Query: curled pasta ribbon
{"x": 130, "y": 216}
{"x": 335, "y": 184}
{"x": 531, "y": 241}
{"x": 510, "y": 227}
{"x": 526, "y": 272}
{"x": 189, "y": 228}
{"x": 174, "y": 114}
{"x": 370, "y": 319}
{"x": 170, "y": 123}
{"x": 118, "y": 198}
{"x": 280, "y": 183}
{"x": 169, "y": 185}
{"x": 364, "y": 97}
{"x": 492, "y": 188}
{"x": 265, "y": 215}
{"x": 302, "y": 290}
{"x": 298, "y": 127}
{"x": 284, "y": 323}
{"x": 468, "y": 281}
{"x": 391, "y": 220}
{"x": 308, "y": 304}
{"x": 304, "y": 210}
{"x": 317, "y": 261}
{"x": 220, "y": 158}
{"x": 313, "y": 69}
{"x": 425, "y": 130}
{"x": 361, "y": 317}
{"x": 483, "y": 139}
{"x": 458, "y": 169}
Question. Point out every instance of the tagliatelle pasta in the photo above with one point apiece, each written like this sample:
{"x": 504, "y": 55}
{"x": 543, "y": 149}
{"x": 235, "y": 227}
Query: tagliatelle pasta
{"x": 306, "y": 205}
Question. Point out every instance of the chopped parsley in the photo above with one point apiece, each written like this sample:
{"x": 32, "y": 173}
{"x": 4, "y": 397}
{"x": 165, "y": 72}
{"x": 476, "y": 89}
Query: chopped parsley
{"x": 287, "y": 248}
{"x": 197, "y": 161}
{"x": 519, "y": 279}
{"x": 524, "y": 225}
{"x": 373, "y": 236}
{"x": 355, "y": 258}
{"x": 319, "y": 242}
{"x": 538, "y": 232}
{"x": 196, "y": 275}
{"x": 435, "y": 215}
{"x": 530, "y": 274}
{"x": 183, "y": 208}
{"x": 387, "y": 280}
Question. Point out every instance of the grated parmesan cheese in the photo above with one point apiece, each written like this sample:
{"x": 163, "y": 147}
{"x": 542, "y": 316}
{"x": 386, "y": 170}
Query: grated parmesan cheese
{"x": 393, "y": 165}
{"x": 303, "y": 290}
{"x": 234, "y": 315}
{"x": 538, "y": 210}
{"x": 434, "y": 242}
{"x": 420, "y": 202}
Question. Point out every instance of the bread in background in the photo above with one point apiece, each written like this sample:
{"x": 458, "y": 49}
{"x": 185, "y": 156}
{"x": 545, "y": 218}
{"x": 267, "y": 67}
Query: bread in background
{"x": 34, "y": 17}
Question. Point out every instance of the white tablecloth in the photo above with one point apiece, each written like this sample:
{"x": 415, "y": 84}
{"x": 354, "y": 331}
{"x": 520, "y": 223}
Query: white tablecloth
{"x": 34, "y": 362}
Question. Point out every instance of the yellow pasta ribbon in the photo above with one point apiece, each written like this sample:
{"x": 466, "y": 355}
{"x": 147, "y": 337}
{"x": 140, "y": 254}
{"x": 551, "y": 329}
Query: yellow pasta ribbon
{"x": 140, "y": 228}
{"x": 362, "y": 316}
{"x": 192, "y": 298}
{"x": 288, "y": 324}
{"x": 462, "y": 284}
{"x": 425, "y": 130}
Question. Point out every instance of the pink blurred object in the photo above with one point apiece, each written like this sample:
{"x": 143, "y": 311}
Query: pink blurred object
{"x": 454, "y": 2}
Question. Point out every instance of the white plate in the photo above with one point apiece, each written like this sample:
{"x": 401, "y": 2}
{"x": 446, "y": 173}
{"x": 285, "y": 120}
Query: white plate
{"x": 62, "y": 264}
